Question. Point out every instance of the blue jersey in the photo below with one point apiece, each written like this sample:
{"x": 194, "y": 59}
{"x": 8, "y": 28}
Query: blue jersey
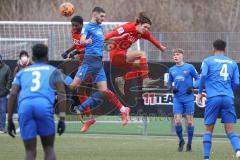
{"x": 37, "y": 80}
{"x": 95, "y": 32}
{"x": 220, "y": 75}
{"x": 182, "y": 76}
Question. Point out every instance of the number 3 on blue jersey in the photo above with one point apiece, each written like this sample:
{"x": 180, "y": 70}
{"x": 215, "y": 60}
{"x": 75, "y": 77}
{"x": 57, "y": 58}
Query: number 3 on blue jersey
{"x": 224, "y": 72}
{"x": 36, "y": 81}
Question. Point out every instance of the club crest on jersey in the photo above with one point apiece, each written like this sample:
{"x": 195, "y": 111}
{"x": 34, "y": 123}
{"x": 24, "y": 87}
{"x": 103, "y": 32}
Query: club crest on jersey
{"x": 185, "y": 71}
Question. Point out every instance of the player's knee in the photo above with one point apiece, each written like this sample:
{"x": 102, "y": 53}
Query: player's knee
{"x": 190, "y": 123}
{"x": 178, "y": 121}
{"x": 229, "y": 128}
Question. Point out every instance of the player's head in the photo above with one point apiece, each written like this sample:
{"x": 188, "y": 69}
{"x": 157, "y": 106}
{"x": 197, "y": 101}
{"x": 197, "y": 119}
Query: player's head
{"x": 178, "y": 55}
{"x": 40, "y": 52}
{"x": 98, "y": 15}
{"x": 143, "y": 22}
{"x": 24, "y": 58}
{"x": 219, "y": 45}
{"x": 77, "y": 23}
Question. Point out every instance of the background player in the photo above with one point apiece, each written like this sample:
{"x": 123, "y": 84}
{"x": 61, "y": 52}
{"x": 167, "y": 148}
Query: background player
{"x": 37, "y": 83}
{"x": 182, "y": 75}
{"x": 123, "y": 36}
{"x": 78, "y": 50}
{"x": 220, "y": 76}
{"x": 92, "y": 35}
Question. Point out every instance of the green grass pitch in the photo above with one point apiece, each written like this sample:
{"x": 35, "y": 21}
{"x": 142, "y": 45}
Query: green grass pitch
{"x": 117, "y": 147}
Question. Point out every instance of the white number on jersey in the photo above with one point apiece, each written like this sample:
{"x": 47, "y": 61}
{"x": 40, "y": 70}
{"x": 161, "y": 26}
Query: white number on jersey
{"x": 224, "y": 72}
{"x": 36, "y": 81}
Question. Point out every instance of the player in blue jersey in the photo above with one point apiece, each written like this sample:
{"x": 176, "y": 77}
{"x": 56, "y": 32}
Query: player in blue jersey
{"x": 37, "y": 85}
{"x": 220, "y": 77}
{"x": 92, "y": 36}
{"x": 182, "y": 75}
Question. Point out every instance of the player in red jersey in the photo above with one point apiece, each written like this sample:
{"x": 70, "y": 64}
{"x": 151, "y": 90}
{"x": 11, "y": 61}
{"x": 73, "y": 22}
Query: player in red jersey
{"x": 122, "y": 38}
{"x": 77, "y": 50}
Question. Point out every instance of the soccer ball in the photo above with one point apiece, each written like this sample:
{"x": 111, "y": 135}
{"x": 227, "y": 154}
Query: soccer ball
{"x": 66, "y": 9}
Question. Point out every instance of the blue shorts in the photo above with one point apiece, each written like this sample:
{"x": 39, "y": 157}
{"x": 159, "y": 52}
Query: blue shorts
{"x": 91, "y": 67}
{"x": 183, "y": 107}
{"x": 220, "y": 105}
{"x": 36, "y": 117}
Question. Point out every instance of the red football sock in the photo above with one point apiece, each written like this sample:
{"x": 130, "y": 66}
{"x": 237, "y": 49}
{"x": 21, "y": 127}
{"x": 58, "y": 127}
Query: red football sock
{"x": 110, "y": 96}
{"x": 144, "y": 68}
{"x": 87, "y": 111}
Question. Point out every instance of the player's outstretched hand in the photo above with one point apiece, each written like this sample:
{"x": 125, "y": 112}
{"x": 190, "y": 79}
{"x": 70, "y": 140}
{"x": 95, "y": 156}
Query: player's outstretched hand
{"x": 61, "y": 127}
{"x": 11, "y": 128}
{"x": 64, "y": 55}
{"x": 163, "y": 48}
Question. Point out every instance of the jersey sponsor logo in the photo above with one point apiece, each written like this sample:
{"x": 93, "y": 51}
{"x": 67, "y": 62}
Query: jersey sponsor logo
{"x": 132, "y": 38}
{"x": 120, "y": 30}
{"x": 180, "y": 78}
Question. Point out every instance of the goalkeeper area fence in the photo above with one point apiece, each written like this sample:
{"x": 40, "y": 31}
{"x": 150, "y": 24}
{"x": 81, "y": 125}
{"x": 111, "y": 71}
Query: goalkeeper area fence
{"x": 21, "y": 35}
{"x": 17, "y": 36}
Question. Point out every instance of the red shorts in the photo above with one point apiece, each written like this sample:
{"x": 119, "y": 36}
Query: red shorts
{"x": 118, "y": 59}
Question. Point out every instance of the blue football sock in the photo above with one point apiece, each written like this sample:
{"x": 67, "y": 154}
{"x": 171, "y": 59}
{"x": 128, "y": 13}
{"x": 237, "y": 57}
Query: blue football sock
{"x": 179, "y": 132}
{"x": 234, "y": 141}
{"x": 207, "y": 144}
{"x": 190, "y": 131}
{"x": 93, "y": 101}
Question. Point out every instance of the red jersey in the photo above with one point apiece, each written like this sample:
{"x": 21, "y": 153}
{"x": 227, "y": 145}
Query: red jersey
{"x": 126, "y": 42}
{"x": 77, "y": 45}
{"x": 76, "y": 40}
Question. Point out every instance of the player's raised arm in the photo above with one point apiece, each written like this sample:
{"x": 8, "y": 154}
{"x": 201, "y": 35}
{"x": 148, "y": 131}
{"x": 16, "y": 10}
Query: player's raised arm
{"x": 65, "y": 54}
{"x": 156, "y": 43}
{"x": 118, "y": 33}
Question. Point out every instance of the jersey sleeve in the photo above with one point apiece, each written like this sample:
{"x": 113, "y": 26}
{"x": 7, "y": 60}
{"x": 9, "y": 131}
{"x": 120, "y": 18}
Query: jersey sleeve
{"x": 204, "y": 71}
{"x": 196, "y": 77}
{"x": 85, "y": 30}
{"x": 56, "y": 77}
{"x": 148, "y": 36}
{"x": 118, "y": 31}
{"x": 16, "y": 80}
{"x": 170, "y": 79}
{"x": 235, "y": 78}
